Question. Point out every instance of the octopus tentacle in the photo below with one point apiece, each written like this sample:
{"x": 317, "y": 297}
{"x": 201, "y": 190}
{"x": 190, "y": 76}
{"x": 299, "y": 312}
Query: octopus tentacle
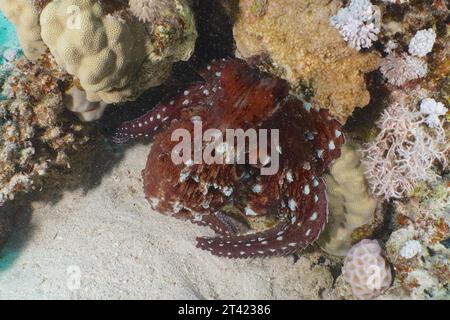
{"x": 159, "y": 118}
{"x": 147, "y": 125}
{"x": 219, "y": 222}
{"x": 290, "y": 236}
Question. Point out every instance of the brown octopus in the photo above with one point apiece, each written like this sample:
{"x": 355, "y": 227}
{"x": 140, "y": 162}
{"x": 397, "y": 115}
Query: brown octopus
{"x": 235, "y": 96}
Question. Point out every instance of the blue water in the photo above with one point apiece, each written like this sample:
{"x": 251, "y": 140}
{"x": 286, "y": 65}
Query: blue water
{"x": 8, "y": 40}
{"x": 8, "y": 37}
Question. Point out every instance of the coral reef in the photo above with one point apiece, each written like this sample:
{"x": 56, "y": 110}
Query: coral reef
{"x": 35, "y": 133}
{"x": 234, "y": 96}
{"x": 350, "y": 203}
{"x": 366, "y": 270}
{"x": 405, "y": 151}
{"x": 26, "y": 20}
{"x": 374, "y": 70}
{"x": 306, "y": 50}
{"x": 416, "y": 249}
{"x": 114, "y": 56}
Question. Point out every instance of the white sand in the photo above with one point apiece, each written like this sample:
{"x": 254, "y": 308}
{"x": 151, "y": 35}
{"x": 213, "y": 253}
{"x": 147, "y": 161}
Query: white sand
{"x": 124, "y": 250}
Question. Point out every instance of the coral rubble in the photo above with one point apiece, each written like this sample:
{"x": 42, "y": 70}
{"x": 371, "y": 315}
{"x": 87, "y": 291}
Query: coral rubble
{"x": 416, "y": 249}
{"x": 36, "y": 134}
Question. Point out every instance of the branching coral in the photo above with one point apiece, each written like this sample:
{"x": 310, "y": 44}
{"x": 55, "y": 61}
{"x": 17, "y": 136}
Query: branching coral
{"x": 34, "y": 133}
{"x": 399, "y": 69}
{"x": 359, "y": 23}
{"x": 404, "y": 152}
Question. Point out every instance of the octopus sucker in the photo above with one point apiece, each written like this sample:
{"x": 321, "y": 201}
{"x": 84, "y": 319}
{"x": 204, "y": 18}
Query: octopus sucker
{"x": 235, "y": 96}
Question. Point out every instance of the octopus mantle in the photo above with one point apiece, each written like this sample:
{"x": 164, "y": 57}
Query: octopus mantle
{"x": 235, "y": 96}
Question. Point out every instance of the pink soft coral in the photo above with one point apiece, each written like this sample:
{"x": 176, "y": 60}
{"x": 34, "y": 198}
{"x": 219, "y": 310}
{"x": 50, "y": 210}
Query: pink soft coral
{"x": 404, "y": 152}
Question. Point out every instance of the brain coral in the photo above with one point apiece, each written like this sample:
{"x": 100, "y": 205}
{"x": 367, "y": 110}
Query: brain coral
{"x": 113, "y": 55}
{"x": 350, "y": 204}
{"x": 26, "y": 20}
{"x": 366, "y": 270}
{"x": 306, "y": 49}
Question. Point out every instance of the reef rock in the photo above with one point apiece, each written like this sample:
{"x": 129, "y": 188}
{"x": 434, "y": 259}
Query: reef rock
{"x": 35, "y": 133}
{"x": 306, "y": 50}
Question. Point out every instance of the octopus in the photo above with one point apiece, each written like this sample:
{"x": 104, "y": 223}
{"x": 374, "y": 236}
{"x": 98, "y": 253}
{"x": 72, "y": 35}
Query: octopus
{"x": 233, "y": 95}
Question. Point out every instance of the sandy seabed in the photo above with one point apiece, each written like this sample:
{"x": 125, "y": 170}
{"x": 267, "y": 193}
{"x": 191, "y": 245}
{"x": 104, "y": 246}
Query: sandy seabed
{"x": 106, "y": 243}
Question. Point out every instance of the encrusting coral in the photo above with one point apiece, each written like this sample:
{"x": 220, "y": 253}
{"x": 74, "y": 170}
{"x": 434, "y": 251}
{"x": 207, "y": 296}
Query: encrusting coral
{"x": 366, "y": 270}
{"x": 113, "y": 55}
{"x": 305, "y": 49}
{"x": 350, "y": 203}
{"x": 26, "y": 20}
{"x": 35, "y": 134}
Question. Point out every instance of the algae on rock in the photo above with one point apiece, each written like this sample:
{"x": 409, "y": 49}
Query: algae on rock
{"x": 305, "y": 49}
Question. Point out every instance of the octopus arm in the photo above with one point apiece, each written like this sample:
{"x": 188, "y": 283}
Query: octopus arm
{"x": 302, "y": 228}
{"x": 219, "y": 222}
{"x": 160, "y": 117}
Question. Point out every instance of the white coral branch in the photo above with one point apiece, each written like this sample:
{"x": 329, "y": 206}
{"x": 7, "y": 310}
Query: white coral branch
{"x": 403, "y": 153}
